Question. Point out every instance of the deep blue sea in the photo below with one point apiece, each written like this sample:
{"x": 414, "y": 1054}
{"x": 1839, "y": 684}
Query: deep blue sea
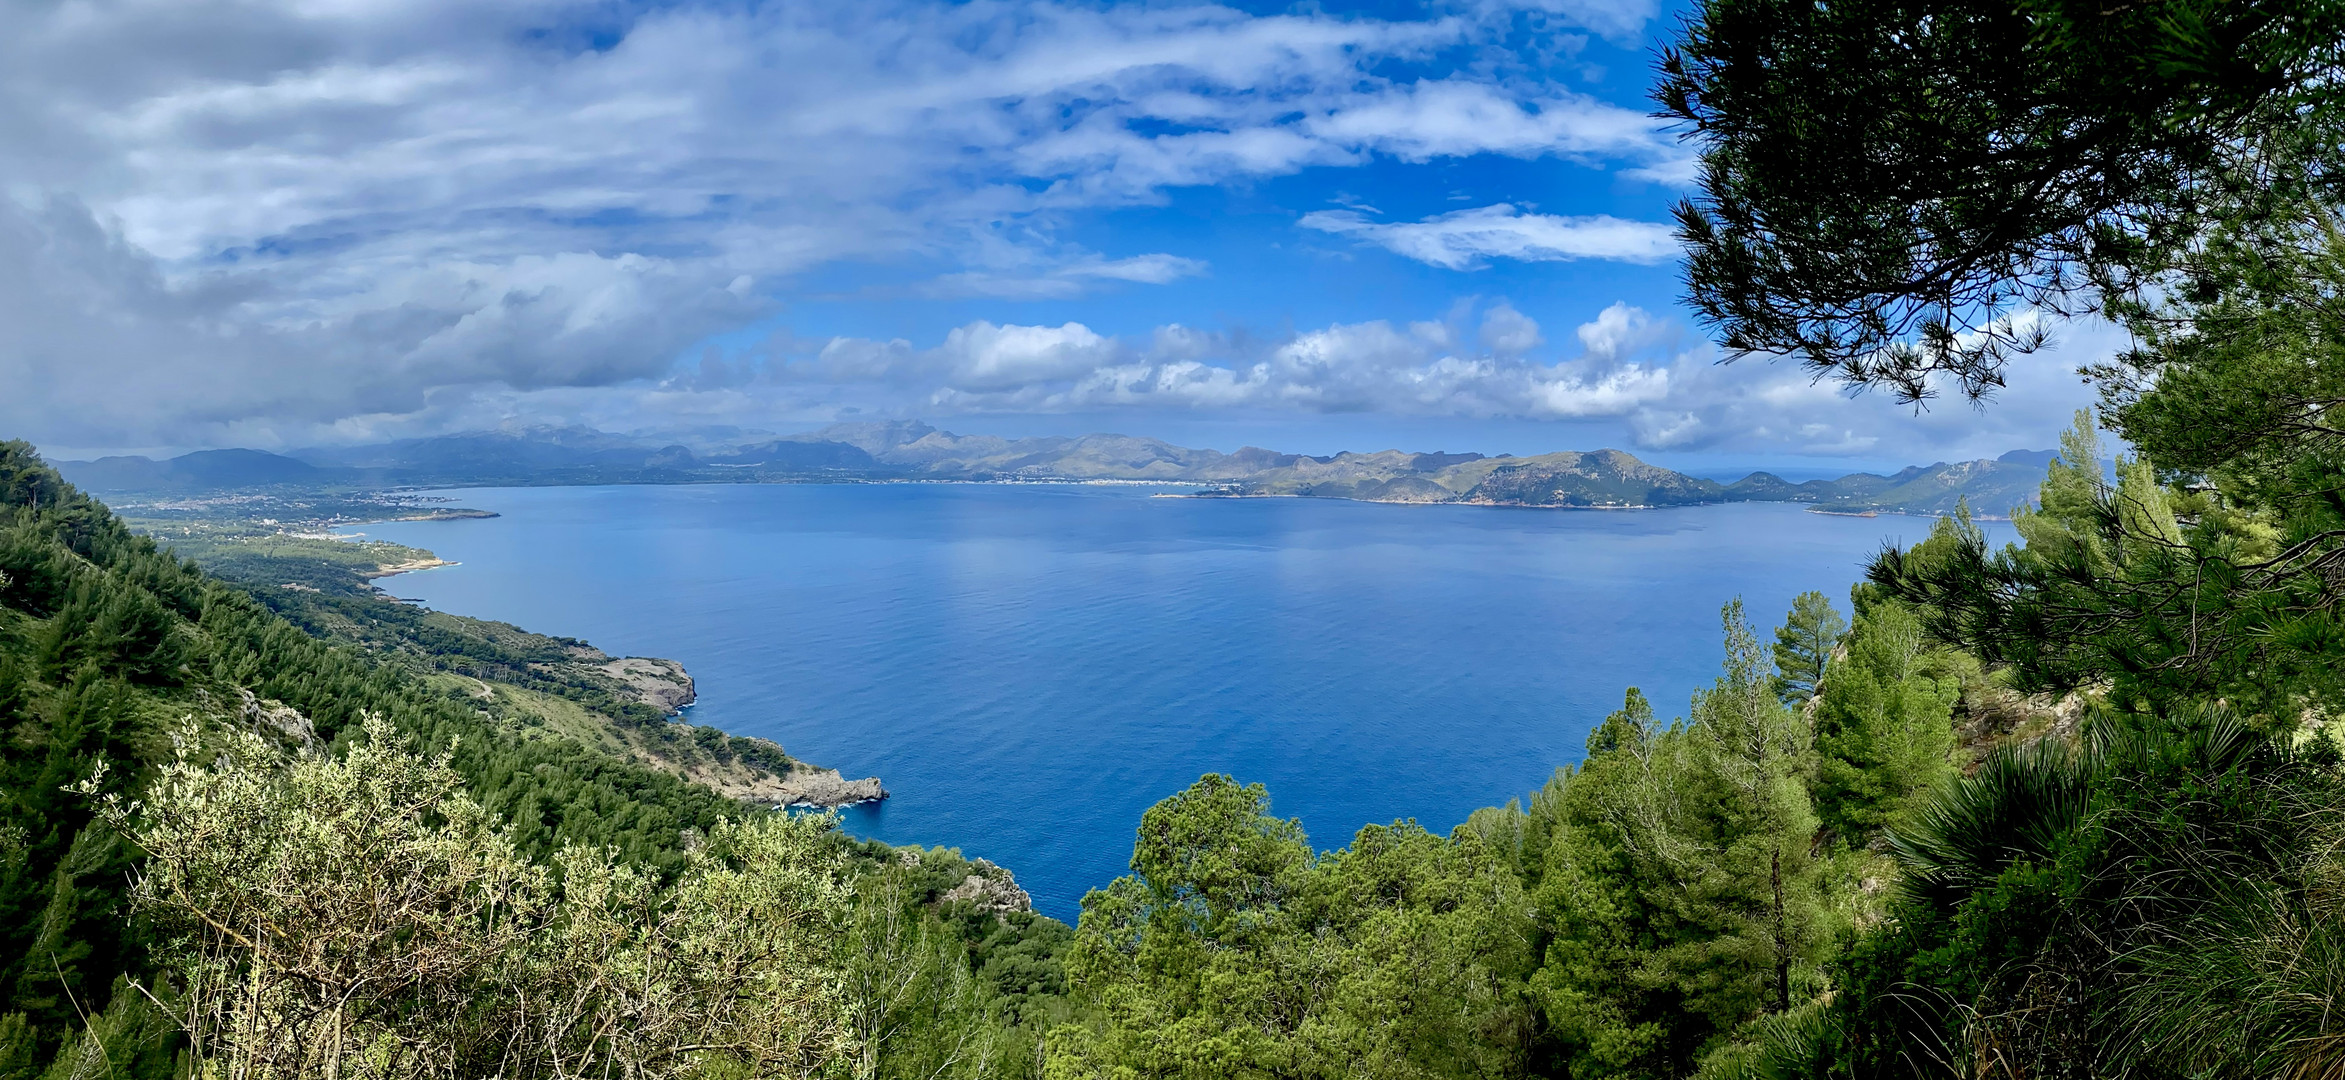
{"x": 1028, "y": 667}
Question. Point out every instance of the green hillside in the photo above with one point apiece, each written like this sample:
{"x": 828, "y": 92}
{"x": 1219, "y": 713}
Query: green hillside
{"x": 1991, "y": 488}
{"x": 114, "y": 650}
{"x": 107, "y": 641}
{"x": 1600, "y": 478}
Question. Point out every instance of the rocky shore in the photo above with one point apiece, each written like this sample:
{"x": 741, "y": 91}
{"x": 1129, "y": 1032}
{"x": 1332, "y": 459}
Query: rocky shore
{"x": 753, "y": 770}
{"x": 430, "y": 562}
{"x": 825, "y": 788}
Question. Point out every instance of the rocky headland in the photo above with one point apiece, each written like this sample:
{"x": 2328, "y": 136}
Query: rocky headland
{"x": 806, "y": 785}
{"x": 753, "y": 770}
{"x": 408, "y": 566}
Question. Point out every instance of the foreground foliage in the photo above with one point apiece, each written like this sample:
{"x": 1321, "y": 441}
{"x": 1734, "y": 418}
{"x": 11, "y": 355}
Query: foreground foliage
{"x": 359, "y": 916}
{"x": 1233, "y": 951}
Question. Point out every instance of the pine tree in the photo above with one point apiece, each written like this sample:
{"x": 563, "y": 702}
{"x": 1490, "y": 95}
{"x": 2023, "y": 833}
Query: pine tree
{"x": 1757, "y": 756}
{"x": 1804, "y": 644}
{"x": 19, "y": 1048}
{"x": 1883, "y": 725}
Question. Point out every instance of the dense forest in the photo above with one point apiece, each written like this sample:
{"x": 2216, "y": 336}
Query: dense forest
{"x": 2071, "y": 806}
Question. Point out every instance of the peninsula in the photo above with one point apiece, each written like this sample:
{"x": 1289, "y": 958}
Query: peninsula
{"x": 535, "y": 687}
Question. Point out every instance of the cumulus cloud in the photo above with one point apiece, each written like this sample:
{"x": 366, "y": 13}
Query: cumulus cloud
{"x": 356, "y": 207}
{"x": 1425, "y": 368}
{"x": 1509, "y": 333}
{"x": 1465, "y": 239}
{"x": 1626, "y": 377}
{"x": 99, "y": 346}
{"x": 276, "y": 221}
{"x": 1455, "y": 117}
{"x": 1782, "y": 409}
{"x": 1622, "y": 330}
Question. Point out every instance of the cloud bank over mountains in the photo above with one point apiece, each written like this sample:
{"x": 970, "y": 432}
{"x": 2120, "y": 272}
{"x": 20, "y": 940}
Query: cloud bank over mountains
{"x": 270, "y": 222}
{"x": 1650, "y": 383}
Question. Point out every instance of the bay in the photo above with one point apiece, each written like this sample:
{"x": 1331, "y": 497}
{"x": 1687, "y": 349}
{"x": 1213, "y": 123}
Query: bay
{"x": 1028, "y": 667}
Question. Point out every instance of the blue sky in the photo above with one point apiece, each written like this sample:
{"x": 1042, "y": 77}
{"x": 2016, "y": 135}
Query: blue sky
{"x": 1314, "y": 227}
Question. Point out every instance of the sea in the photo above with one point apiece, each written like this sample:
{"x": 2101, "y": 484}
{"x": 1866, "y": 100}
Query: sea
{"x": 1028, "y": 667}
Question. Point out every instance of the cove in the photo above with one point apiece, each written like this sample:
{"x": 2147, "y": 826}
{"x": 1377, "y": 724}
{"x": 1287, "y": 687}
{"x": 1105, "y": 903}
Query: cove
{"x": 1028, "y": 667}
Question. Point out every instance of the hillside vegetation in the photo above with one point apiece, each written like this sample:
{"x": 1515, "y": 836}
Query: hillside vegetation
{"x": 140, "y": 694}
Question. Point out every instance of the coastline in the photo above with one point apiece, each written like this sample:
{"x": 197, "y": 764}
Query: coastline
{"x": 1432, "y": 502}
{"x": 395, "y": 569}
{"x": 458, "y": 514}
{"x": 666, "y": 685}
{"x": 1902, "y": 513}
{"x": 1210, "y": 491}
{"x": 1868, "y": 513}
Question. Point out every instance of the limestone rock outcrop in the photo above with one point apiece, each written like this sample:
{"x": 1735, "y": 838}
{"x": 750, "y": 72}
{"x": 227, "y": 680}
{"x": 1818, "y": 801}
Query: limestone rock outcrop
{"x": 990, "y": 888}
{"x": 823, "y": 788}
{"x": 661, "y": 684}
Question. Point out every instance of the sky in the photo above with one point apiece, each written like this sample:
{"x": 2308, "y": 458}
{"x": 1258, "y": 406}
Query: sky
{"x": 1312, "y": 227}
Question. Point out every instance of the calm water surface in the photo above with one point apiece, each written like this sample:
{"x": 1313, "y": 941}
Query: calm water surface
{"x": 1029, "y": 667}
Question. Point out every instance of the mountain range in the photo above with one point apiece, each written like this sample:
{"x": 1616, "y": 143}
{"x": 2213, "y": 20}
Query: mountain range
{"x": 901, "y": 450}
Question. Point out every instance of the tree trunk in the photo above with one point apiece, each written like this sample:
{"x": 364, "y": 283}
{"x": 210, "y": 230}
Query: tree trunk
{"x": 1782, "y": 935}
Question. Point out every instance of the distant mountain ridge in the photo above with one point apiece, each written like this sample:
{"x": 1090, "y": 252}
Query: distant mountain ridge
{"x": 913, "y": 450}
{"x": 201, "y": 470}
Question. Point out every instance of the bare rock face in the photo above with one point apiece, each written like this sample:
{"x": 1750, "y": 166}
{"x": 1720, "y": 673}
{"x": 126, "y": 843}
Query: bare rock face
{"x": 1989, "y": 716}
{"x": 282, "y": 720}
{"x": 823, "y": 788}
{"x": 661, "y": 684}
{"x": 990, "y": 888}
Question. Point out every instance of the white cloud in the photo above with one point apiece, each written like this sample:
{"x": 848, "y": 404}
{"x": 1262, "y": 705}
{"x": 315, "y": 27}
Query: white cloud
{"x": 1630, "y": 378}
{"x": 1067, "y": 278}
{"x": 1782, "y": 409}
{"x": 1422, "y": 368}
{"x": 1156, "y": 269}
{"x": 1509, "y": 333}
{"x": 99, "y": 346}
{"x": 982, "y": 357}
{"x": 1456, "y": 117}
{"x": 864, "y": 129}
{"x": 385, "y": 204}
{"x": 1622, "y": 330}
{"x": 1464, "y": 239}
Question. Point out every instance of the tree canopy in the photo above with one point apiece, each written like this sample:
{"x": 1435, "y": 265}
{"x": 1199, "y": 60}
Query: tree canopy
{"x": 1893, "y": 191}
